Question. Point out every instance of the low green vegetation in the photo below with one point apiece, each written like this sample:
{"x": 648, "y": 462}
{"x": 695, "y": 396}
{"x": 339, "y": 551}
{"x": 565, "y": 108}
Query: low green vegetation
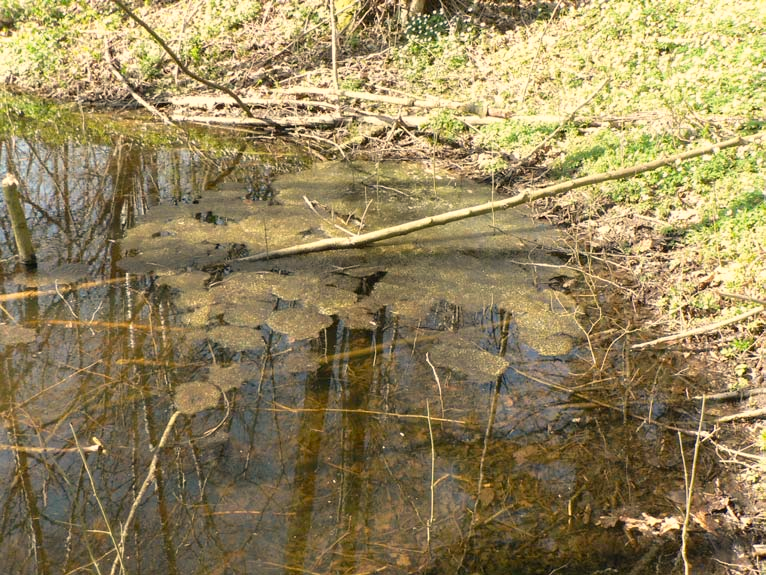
{"x": 644, "y": 80}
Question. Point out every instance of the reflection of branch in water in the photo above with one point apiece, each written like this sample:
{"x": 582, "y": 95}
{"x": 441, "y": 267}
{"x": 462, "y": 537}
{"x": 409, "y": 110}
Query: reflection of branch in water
{"x": 62, "y": 289}
{"x": 105, "y": 517}
{"x": 150, "y": 475}
{"x": 30, "y": 497}
{"x": 280, "y": 407}
{"x": 309, "y": 443}
{"x": 505, "y": 331}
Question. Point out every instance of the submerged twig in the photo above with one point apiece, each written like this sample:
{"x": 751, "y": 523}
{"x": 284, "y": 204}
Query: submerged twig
{"x": 438, "y": 382}
{"x": 280, "y": 407}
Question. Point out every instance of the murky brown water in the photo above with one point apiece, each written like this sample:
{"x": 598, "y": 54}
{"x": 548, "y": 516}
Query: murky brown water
{"x": 398, "y": 409}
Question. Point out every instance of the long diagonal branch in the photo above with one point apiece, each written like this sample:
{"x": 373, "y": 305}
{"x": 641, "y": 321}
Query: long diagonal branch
{"x": 523, "y": 197}
{"x": 169, "y": 51}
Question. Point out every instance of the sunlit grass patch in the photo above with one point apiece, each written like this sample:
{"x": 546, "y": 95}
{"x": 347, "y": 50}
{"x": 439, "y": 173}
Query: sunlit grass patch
{"x": 514, "y": 136}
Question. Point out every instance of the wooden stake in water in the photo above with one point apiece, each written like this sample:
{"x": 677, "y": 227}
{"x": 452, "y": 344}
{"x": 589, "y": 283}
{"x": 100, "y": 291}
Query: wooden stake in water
{"x": 19, "y": 221}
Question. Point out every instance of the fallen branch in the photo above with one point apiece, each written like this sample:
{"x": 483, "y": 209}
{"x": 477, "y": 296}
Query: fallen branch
{"x": 411, "y": 102}
{"x": 314, "y": 121}
{"x": 210, "y": 102}
{"x": 739, "y": 395}
{"x": 177, "y": 60}
{"x": 702, "y": 329}
{"x": 324, "y": 120}
{"x": 519, "y": 199}
{"x": 490, "y": 115}
{"x": 749, "y": 414}
{"x": 133, "y": 92}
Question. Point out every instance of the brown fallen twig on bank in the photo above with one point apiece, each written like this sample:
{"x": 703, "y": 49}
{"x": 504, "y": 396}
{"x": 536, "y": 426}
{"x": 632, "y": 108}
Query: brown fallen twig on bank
{"x": 523, "y": 197}
{"x": 324, "y": 120}
{"x": 702, "y": 329}
{"x": 749, "y": 414}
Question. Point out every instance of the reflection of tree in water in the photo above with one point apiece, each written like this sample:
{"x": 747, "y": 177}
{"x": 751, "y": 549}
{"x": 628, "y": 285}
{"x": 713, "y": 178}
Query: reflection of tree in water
{"x": 318, "y": 456}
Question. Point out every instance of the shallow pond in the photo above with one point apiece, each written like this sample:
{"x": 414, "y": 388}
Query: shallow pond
{"x": 403, "y": 408}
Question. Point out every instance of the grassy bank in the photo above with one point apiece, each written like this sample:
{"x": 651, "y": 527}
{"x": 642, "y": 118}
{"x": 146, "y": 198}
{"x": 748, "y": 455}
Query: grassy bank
{"x": 646, "y": 79}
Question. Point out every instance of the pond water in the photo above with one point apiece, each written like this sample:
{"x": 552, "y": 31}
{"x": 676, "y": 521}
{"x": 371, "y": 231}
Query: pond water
{"x": 404, "y": 408}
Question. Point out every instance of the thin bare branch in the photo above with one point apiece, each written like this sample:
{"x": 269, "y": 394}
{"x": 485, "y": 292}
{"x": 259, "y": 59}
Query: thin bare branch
{"x": 169, "y": 51}
{"x": 522, "y": 197}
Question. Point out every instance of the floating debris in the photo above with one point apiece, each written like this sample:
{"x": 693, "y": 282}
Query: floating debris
{"x": 15, "y": 334}
{"x": 191, "y": 398}
{"x": 237, "y": 338}
{"x": 457, "y": 354}
{"x": 299, "y": 323}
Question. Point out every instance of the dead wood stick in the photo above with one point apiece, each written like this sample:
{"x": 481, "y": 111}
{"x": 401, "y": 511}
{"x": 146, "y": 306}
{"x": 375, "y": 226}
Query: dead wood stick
{"x": 314, "y": 121}
{"x": 325, "y": 120}
{"x": 739, "y": 395}
{"x": 216, "y": 101}
{"x": 702, "y": 329}
{"x": 492, "y": 114}
{"x": 749, "y": 414}
{"x": 523, "y": 197}
{"x": 169, "y": 51}
{"x": 427, "y": 102}
{"x": 133, "y": 92}
{"x": 741, "y": 297}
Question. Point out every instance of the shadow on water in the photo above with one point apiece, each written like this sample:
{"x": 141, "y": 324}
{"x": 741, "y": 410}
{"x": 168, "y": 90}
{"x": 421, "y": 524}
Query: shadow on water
{"x": 403, "y": 409}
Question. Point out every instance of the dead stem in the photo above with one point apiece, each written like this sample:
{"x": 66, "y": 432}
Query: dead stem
{"x": 689, "y": 484}
{"x": 715, "y": 326}
{"x": 430, "y": 521}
